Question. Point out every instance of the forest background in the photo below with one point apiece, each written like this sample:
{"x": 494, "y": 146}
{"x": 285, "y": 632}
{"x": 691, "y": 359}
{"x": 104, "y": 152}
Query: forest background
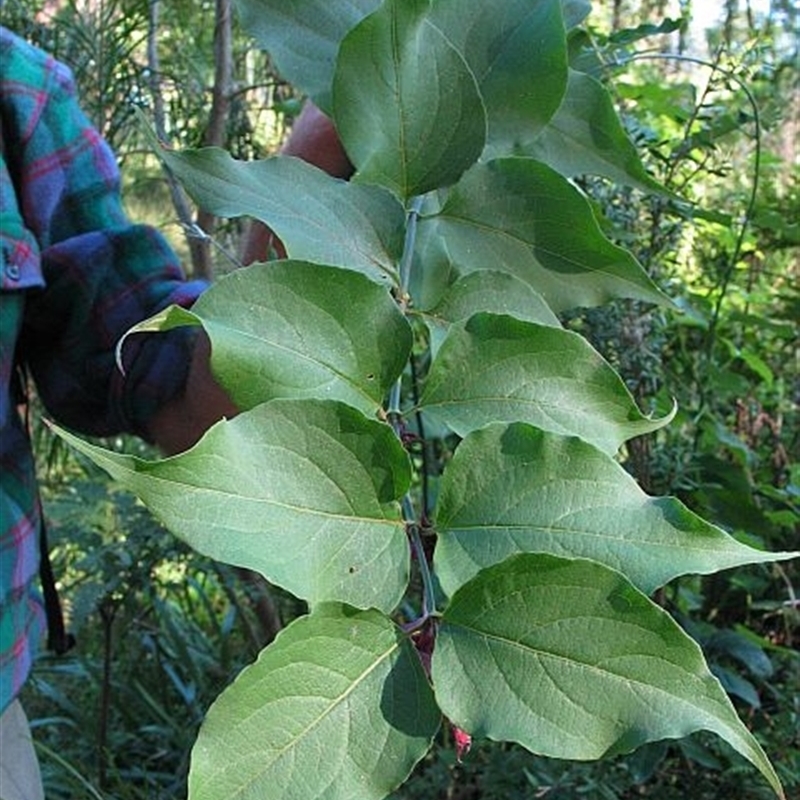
{"x": 161, "y": 630}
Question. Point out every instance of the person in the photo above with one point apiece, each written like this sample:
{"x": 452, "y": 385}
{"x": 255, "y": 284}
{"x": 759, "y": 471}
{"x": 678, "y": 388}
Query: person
{"x": 76, "y": 274}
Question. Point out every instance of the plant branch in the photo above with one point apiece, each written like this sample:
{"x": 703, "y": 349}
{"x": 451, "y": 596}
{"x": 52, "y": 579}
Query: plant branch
{"x": 406, "y": 260}
{"x": 408, "y": 244}
{"x": 428, "y": 591}
{"x": 749, "y": 211}
{"x": 179, "y": 200}
{"x": 727, "y": 275}
{"x": 424, "y": 443}
{"x": 409, "y": 515}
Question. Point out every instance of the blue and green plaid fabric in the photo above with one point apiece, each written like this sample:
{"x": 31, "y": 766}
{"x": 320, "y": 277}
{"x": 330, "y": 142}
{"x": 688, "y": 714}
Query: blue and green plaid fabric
{"x": 76, "y": 274}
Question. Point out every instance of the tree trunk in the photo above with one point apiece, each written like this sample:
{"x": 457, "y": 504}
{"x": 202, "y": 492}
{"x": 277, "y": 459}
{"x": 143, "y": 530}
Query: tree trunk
{"x": 218, "y": 119}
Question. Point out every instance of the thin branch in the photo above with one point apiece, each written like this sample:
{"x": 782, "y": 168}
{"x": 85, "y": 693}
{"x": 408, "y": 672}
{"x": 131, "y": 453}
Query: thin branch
{"x": 727, "y": 275}
{"x": 179, "y": 201}
{"x": 428, "y": 590}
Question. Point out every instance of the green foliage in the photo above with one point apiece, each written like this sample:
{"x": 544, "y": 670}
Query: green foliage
{"x": 326, "y": 477}
{"x": 160, "y": 633}
{"x": 413, "y": 122}
{"x": 515, "y": 488}
{"x": 317, "y": 217}
{"x": 354, "y": 350}
{"x": 521, "y": 371}
{"x": 569, "y": 659}
{"x": 362, "y": 362}
{"x": 519, "y": 215}
{"x": 317, "y": 706}
{"x": 585, "y": 137}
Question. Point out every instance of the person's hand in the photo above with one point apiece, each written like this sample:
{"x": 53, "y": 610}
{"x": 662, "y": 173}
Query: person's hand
{"x": 314, "y": 139}
{"x": 181, "y": 422}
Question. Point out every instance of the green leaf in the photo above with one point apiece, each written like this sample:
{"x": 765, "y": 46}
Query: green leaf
{"x": 744, "y": 647}
{"x": 294, "y": 329}
{"x": 495, "y": 292}
{"x": 303, "y": 491}
{"x": 405, "y": 102}
{"x": 572, "y": 661}
{"x": 673, "y": 101}
{"x": 575, "y": 12}
{"x": 514, "y": 488}
{"x": 317, "y": 217}
{"x": 303, "y": 37}
{"x": 585, "y": 137}
{"x": 517, "y": 52}
{"x": 499, "y": 369}
{"x": 734, "y": 684}
{"x": 758, "y": 365}
{"x": 583, "y": 53}
{"x": 486, "y": 290}
{"x": 338, "y": 707}
{"x": 520, "y": 216}
{"x": 628, "y": 36}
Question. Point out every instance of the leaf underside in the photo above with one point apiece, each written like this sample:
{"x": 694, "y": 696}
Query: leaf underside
{"x": 497, "y": 368}
{"x": 338, "y": 707}
{"x": 569, "y": 659}
{"x": 303, "y": 491}
{"x": 515, "y": 488}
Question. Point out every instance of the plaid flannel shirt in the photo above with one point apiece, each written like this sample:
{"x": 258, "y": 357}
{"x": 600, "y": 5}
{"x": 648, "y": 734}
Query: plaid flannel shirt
{"x": 76, "y": 274}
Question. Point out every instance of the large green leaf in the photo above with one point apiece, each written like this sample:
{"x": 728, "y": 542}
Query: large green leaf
{"x": 317, "y": 217}
{"x": 304, "y": 491}
{"x": 294, "y": 329}
{"x": 575, "y": 11}
{"x": 303, "y": 37}
{"x": 585, "y": 137}
{"x": 496, "y": 368}
{"x": 496, "y": 292}
{"x": 486, "y": 290}
{"x": 515, "y": 488}
{"x": 405, "y": 102}
{"x": 572, "y": 661}
{"x": 520, "y": 216}
{"x": 518, "y": 54}
{"x": 338, "y": 707}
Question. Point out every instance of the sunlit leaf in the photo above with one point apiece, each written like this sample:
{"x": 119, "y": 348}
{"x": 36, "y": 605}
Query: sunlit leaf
{"x": 758, "y": 365}
{"x": 575, "y": 11}
{"x": 405, "y": 102}
{"x": 487, "y": 290}
{"x": 317, "y": 217}
{"x": 514, "y": 488}
{"x": 338, "y": 707}
{"x": 303, "y": 37}
{"x": 294, "y": 329}
{"x": 303, "y": 491}
{"x": 496, "y": 368}
{"x": 518, "y": 54}
{"x": 567, "y": 658}
{"x": 520, "y": 216}
{"x": 628, "y": 36}
{"x": 585, "y": 137}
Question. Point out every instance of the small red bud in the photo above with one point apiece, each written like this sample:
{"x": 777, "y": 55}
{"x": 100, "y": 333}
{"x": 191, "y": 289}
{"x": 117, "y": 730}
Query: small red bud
{"x": 463, "y": 742}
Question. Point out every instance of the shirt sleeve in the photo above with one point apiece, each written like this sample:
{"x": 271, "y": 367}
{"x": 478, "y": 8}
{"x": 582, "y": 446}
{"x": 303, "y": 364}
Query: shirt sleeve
{"x": 102, "y": 273}
{"x": 98, "y": 285}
